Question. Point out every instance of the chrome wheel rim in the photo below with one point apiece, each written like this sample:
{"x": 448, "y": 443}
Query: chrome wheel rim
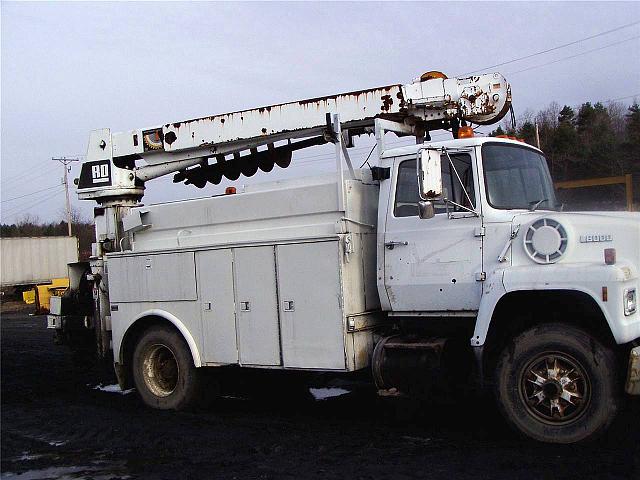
{"x": 555, "y": 388}
{"x": 160, "y": 370}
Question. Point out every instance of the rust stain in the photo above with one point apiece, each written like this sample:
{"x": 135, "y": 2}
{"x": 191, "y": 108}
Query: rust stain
{"x": 387, "y": 101}
{"x": 318, "y": 101}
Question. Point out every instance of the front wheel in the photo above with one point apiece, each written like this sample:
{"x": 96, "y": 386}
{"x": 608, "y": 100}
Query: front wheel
{"x": 556, "y": 383}
{"x": 163, "y": 370}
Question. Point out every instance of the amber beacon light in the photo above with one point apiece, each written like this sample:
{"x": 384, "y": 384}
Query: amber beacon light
{"x": 465, "y": 132}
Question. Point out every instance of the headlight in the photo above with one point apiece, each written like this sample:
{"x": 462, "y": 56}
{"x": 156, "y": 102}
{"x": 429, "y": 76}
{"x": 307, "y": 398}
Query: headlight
{"x": 630, "y": 301}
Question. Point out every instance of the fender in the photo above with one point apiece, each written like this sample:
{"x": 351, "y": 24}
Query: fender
{"x": 584, "y": 278}
{"x": 492, "y": 291}
{"x": 195, "y": 353}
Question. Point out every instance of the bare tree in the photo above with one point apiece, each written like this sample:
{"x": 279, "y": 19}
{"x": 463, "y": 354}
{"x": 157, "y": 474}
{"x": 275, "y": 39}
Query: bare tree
{"x": 28, "y": 225}
{"x": 617, "y": 113}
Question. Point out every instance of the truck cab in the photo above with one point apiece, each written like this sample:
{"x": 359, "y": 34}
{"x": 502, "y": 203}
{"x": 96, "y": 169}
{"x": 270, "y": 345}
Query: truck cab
{"x": 498, "y": 229}
{"x": 495, "y": 258}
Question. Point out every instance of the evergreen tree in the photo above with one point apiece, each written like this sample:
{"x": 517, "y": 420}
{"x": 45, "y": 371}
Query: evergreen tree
{"x": 567, "y": 115}
{"x": 497, "y": 132}
{"x": 528, "y": 133}
{"x": 633, "y": 124}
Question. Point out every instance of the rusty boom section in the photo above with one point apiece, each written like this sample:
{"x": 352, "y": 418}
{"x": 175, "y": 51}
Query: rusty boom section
{"x": 207, "y": 149}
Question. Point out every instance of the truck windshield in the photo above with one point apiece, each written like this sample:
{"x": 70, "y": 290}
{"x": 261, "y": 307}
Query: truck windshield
{"x": 517, "y": 177}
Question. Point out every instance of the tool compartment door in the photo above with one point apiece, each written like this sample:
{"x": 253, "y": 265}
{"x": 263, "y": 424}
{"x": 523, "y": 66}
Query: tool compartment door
{"x": 215, "y": 289}
{"x": 257, "y": 305}
{"x": 312, "y": 325}
{"x": 152, "y": 278}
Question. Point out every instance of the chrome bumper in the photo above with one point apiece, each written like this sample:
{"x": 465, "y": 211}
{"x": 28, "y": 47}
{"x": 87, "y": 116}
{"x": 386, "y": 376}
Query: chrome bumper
{"x": 633, "y": 375}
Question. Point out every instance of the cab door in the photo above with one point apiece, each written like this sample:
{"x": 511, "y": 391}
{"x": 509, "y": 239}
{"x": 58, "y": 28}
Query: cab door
{"x": 434, "y": 264}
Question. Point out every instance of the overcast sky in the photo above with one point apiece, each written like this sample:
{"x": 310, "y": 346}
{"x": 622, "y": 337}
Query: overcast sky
{"x": 69, "y": 68}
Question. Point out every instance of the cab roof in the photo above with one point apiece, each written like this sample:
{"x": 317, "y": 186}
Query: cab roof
{"x": 453, "y": 143}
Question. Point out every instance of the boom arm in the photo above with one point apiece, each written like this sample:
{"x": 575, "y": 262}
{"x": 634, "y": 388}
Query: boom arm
{"x": 111, "y": 170}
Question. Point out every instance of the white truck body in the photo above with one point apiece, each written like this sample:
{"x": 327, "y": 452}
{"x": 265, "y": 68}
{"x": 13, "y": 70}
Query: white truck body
{"x": 33, "y": 260}
{"x": 278, "y": 276}
{"x": 201, "y": 263}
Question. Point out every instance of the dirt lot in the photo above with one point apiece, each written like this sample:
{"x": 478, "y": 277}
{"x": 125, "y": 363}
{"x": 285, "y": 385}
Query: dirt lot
{"x": 55, "y": 425}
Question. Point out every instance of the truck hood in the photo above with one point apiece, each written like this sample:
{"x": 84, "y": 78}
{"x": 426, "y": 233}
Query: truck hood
{"x": 575, "y": 237}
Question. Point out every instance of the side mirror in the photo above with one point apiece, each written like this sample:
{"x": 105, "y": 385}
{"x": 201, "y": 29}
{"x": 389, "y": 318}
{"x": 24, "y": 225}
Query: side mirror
{"x": 425, "y": 209}
{"x": 429, "y": 175}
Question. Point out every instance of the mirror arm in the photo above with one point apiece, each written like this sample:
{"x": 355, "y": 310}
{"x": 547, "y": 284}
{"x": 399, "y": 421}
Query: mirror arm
{"x": 447, "y": 201}
{"x": 459, "y": 179}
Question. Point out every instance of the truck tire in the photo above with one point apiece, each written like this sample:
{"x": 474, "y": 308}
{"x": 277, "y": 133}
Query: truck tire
{"x": 556, "y": 383}
{"x": 163, "y": 370}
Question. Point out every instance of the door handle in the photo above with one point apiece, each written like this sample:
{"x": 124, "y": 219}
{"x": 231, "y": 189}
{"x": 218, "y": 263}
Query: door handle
{"x": 245, "y": 306}
{"x": 391, "y": 245}
{"x": 288, "y": 306}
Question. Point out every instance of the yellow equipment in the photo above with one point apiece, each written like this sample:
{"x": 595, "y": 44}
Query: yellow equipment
{"x": 41, "y": 294}
{"x": 29, "y": 297}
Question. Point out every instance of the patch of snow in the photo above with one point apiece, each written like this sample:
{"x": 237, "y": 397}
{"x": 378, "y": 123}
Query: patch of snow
{"x": 27, "y": 457}
{"x": 416, "y": 439}
{"x": 57, "y": 443}
{"x": 65, "y": 473}
{"x": 324, "y": 393}
{"x": 232, "y": 397}
{"x": 112, "y": 389}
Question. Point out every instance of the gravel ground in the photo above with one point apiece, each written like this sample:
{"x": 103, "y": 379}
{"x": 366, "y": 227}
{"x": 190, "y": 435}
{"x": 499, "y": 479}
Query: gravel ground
{"x": 56, "y": 425}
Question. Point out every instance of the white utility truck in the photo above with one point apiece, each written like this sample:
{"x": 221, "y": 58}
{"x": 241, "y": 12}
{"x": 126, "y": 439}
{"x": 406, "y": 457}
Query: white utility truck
{"x": 443, "y": 262}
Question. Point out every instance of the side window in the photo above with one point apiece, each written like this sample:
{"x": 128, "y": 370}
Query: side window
{"x": 407, "y": 197}
{"x": 454, "y": 190}
{"x": 406, "y": 203}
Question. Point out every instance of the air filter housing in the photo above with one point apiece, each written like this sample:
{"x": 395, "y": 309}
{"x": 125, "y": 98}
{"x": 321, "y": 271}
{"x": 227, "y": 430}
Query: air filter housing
{"x": 546, "y": 241}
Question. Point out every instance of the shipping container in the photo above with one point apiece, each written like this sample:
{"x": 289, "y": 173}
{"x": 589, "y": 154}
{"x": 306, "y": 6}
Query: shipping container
{"x": 32, "y": 260}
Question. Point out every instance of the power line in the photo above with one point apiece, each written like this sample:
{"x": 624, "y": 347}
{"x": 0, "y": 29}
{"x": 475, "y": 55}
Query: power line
{"x": 15, "y": 210}
{"x": 43, "y": 173}
{"x": 576, "y": 55}
{"x": 622, "y": 98}
{"x": 26, "y": 173}
{"x": 542, "y": 52}
{"x": 19, "y": 211}
{"x": 29, "y": 194}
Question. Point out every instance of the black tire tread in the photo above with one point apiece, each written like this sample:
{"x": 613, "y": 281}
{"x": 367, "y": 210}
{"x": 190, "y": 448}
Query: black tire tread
{"x": 599, "y": 362}
{"x": 187, "y": 393}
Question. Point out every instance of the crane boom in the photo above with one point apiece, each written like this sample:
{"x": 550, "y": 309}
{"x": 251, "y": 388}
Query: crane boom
{"x": 112, "y": 168}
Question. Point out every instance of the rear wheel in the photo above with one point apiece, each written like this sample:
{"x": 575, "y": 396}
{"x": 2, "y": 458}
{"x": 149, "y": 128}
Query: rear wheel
{"x": 556, "y": 383}
{"x": 163, "y": 370}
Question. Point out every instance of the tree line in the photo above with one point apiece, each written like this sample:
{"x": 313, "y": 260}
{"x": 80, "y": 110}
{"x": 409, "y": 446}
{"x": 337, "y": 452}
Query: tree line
{"x": 592, "y": 140}
{"x": 32, "y": 226}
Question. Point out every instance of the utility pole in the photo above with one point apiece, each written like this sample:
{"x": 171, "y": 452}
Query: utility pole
{"x": 537, "y": 136}
{"x": 65, "y": 163}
